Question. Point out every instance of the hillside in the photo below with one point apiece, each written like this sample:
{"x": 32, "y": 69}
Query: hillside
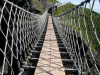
{"x": 30, "y": 5}
{"x": 38, "y": 6}
{"x": 95, "y": 16}
{"x": 52, "y": 1}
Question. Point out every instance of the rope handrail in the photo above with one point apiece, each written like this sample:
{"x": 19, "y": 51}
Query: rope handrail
{"x": 78, "y": 31}
{"x": 19, "y": 31}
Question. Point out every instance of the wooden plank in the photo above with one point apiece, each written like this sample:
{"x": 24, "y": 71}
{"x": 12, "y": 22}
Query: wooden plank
{"x": 50, "y": 62}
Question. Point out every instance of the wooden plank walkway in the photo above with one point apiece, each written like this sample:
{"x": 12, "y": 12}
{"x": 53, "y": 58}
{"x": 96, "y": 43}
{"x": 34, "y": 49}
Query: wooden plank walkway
{"x": 50, "y": 62}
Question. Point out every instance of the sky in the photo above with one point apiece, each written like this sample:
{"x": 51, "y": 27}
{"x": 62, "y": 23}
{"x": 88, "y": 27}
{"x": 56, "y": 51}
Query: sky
{"x": 76, "y": 2}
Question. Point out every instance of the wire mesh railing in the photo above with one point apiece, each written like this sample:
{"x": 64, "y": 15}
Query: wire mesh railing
{"x": 79, "y": 30}
{"x": 19, "y": 31}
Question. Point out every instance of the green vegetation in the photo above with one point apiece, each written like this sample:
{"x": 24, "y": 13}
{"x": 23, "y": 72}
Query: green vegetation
{"x": 64, "y": 8}
{"x": 95, "y": 16}
{"x": 52, "y": 1}
{"x": 38, "y": 6}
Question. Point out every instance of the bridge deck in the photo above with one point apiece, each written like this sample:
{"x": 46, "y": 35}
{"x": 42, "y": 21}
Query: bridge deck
{"x": 50, "y": 62}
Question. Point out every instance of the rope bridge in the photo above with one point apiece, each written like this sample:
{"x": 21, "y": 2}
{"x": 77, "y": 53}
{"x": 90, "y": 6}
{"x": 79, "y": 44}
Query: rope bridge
{"x": 22, "y": 35}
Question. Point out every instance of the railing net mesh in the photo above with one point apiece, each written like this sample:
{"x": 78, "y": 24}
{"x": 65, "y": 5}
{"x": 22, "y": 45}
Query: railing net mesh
{"x": 79, "y": 29}
{"x": 19, "y": 31}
